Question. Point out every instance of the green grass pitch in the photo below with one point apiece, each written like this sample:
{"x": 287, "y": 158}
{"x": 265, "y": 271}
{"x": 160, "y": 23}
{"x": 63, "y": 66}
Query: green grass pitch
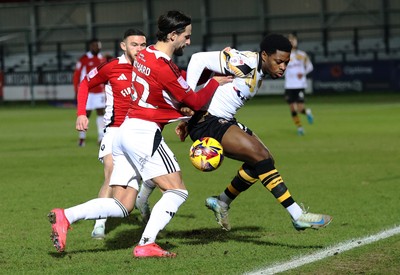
{"x": 347, "y": 165}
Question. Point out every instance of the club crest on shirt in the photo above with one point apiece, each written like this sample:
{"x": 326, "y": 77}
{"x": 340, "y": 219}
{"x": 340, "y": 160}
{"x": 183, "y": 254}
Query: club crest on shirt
{"x": 236, "y": 61}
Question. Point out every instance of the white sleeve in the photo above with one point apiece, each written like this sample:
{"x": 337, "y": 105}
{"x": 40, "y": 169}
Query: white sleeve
{"x": 199, "y": 62}
{"x": 308, "y": 65}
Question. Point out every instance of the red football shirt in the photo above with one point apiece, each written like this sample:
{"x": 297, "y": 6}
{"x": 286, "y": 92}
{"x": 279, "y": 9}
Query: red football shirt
{"x": 161, "y": 88}
{"x": 117, "y": 77}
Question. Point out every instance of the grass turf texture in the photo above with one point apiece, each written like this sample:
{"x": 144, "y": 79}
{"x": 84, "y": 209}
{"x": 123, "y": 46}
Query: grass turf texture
{"x": 347, "y": 165}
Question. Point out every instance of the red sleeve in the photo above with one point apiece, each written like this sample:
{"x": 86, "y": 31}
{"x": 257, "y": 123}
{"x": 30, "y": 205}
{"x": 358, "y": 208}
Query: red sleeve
{"x": 175, "y": 83}
{"x": 102, "y": 76}
{"x": 82, "y": 97}
{"x": 196, "y": 100}
{"x": 75, "y": 79}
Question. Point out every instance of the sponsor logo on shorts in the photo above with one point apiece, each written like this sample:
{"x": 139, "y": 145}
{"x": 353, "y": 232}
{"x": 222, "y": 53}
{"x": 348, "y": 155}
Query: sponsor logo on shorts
{"x": 143, "y": 162}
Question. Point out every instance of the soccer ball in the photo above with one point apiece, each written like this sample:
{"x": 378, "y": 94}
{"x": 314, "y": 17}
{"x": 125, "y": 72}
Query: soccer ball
{"x": 206, "y": 154}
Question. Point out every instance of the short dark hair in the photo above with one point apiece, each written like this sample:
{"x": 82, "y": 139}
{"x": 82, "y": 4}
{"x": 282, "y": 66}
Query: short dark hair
{"x": 93, "y": 40}
{"x": 172, "y": 21}
{"x": 130, "y": 32}
{"x": 275, "y": 42}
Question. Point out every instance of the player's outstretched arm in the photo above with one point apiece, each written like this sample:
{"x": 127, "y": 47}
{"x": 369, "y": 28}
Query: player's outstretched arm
{"x": 223, "y": 79}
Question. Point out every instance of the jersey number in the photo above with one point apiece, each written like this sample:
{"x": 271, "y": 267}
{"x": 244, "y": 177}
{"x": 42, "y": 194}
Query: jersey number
{"x": 146, "y": 92}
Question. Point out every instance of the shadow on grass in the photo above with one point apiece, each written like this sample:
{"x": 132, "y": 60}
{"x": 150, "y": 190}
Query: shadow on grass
{"x": 244, "y": 234}
{"x": 132, "y": 219}
{"x": 201, "y": 236}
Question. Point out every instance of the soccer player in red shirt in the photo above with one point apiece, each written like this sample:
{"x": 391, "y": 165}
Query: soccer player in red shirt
{"x": 86, "y": 67}
{"x": 139, "y": 150}
{"x": 117, "y": 77}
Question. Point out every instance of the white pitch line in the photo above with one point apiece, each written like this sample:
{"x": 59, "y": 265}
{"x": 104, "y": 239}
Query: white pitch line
{"x": 330, "y": 251}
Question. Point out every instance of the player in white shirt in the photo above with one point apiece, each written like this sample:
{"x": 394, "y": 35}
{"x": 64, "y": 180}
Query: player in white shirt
{"x": 217, "y": 120}
{"x": 231, "y": 97}
{"x": 295, "y": 84}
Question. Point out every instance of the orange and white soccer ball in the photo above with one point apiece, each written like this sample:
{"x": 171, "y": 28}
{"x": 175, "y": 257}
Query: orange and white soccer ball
{"x": 206, "y": 154}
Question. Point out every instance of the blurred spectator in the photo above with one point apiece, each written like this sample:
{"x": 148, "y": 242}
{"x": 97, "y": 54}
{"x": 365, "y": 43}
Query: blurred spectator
{"x": 87, "y": 67}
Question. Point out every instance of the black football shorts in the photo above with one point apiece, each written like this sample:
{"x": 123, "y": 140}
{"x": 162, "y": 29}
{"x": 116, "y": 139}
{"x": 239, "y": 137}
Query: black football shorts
{"x": 294, "y": 95}
{"x": 212, "y": 126}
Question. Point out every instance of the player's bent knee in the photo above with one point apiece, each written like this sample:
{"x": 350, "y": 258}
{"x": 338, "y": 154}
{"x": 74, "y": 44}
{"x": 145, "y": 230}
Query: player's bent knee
{"x": 127, "y": 198}
{"x": 260, "y": 153}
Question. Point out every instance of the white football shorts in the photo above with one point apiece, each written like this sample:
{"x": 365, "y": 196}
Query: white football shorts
{"x": 96, "y": 101}
{"x": 106, "y": 142}
{"x": 139, "y": 143}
